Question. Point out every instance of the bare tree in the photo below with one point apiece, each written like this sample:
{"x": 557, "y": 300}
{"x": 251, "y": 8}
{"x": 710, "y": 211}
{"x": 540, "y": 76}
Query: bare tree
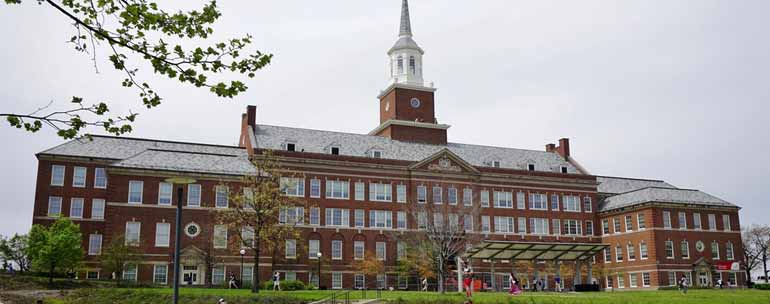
{"x": 756, "y": 243}
{"x": 751, "y": 255}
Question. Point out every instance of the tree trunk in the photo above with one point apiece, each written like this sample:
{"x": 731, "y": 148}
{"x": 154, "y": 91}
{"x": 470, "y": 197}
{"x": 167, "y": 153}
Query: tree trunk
{"x": 50, "y": 275}
{"x": 764, "y": 264}
{"x": 255, "y": 272}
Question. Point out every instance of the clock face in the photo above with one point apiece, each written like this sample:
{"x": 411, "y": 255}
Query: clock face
{"x": 699, "y": 246}
{"x": 192, "y": 230}
{"x": 415, "y": 103}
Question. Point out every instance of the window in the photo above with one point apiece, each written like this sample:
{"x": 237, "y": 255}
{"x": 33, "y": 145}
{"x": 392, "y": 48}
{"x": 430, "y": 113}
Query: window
{"x": 467, "y": 197}
{"x": 220, "y": 236}
{"x": 682, "y": 221}
{"x": 632, "y": 280}
{"x": 555, "y": 226}
{"x": 669, "y": 249}
{"x": 422, "y": 194}
{"x": 336, "y": 249}
{"x": 97, "y": 209}
{"x": 522, "y": 225}
{"x": 380, "y": 250}
{"x": 631, "y": 250}
{"x": 376, "y": 154}
{"x": 135, "y": 189}
{"x": 616, "y": 224}
{"x": 248, "y": 273}
{"x": 160, "y": 274}
{"x": 484, "y": 223}
{"x": 643, "y": 250}
{"x": 359, "y": 196}
{"x": 587, "y": 205}
{"x": 422, "y": 220}
{"x": 726, "y": 222}
{"x": 315, "y": 216}
{"x": 76, "y": 207}
{"x": 731, "y": 278}
{"x": 607, "y": 255}
{"x": 291, "y": 147}
{"x": 504, "y": 224}
{"x": 452, "y": 195}
{"x": 100, "y": 178}
{"x": 605, "y": 226}
{"x": 164, "y": 193}
{"x": 412, "y": 65}
{"x": 293, "y": 186}
{"x": 609, "y": 282}
{"x": 685, "y": 248}
{"x": 315, "y": 188}
{"x": 57, "y": 175}
{"x": 337, "y": 217}
{"x": 132, "y": 233}
{"x": 468, "y": 223}
{"x": 337, "y": 189}
{"x": 520, "y": 200}
{"x": 589, "y": 227}
{"x": 130, "y": 272}
{"x": 79, "y": 177}
{"x": 484, "y": 198}
{"x": 671, "y": 278}
{"x": 162, "y": 234}
{"x": 555, "y": 202}
{"x": 380, "y": 192}
{"x": 572, "y": 227}
{"x": 359, "y": 281}
{"x": 313, "y": 247}
{"x": 640, "y": 222}
{"x": 438, "y": 219}
{"x": 95, "y": 244}
{"x": 437, "y": 195}
{"x": 715, "y": 250}
{"x": 712, "y": 222}
{"x": 247, "y": 236}
{"x": 380, "y": 219}
{"x": 667, "y": 219}
{"x": 538, "y": 201}
{"x": 729, "y": 254}
{"x": 538, "y": 226}
{"x": 291, "y": 276}
{"x": 401, "y": 220}
{"x": 618, "y": 253}
{"x": 563, "y": 169}
{"x": 696, "y": 221}
{"x": 358, "y": 250}
{"x": 218, "y": 275}
{"x": 358, "y": 218}
{"x": 193, "y": 195}
{"x": 92, "y": 275}
{"x": 334, "y": 150}
{"x": 531, "y": 167}
{"x": 291, "y": 215}
{"x": 221, "y": 198}
{"x": 645, "y": 279}
{"x": 503, "y": 199}
{"x": 571, "y": 203}
{"x": 400, "y": 66}
{"x": 401, "y": 193}
{"x": 291, "y": 249}
{"x": 382, "y": 281}
{"x": 621, "y": 281}
{"x": 400, "y": 250}
{"x": 337, "y": 279}
{"x": 629, "y": 223}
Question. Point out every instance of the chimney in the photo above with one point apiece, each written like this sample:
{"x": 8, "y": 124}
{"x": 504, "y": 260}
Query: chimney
{"x": 550, "y": 148}
{"x": 248, "y": 125}
{"x": 563, "y": 148}
{"x": 251, "y": 116}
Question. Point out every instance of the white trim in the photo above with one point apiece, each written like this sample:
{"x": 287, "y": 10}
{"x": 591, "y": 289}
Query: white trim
{"x": 85, "y": 177}
{"x": 63, "y": 175}
{"x": 407, "y": 123}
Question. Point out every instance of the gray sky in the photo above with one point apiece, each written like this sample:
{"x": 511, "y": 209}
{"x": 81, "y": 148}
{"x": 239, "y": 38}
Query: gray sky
{"x": 673, "y": 90}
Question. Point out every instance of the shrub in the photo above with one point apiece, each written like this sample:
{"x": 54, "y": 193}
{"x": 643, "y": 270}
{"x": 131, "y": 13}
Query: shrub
{"x": 285, "y": 285}
{"x": 762, "y": 286}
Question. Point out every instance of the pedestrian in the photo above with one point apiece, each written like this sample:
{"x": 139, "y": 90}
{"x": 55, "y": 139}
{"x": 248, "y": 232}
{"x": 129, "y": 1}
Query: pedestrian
{"x": 424, "y": 284}
{"x": 12, "y": 271}
{"x": 683, "y": 285}
{"x": 468, "y": 282}
{"x": 221, "y": 301}
{"x": 515, "y": 290}
{"x": 719, "y": 283}
{"x": 557, "y": 280}
{"x": 277, "y": 281}
{"x": 232, "y": 284}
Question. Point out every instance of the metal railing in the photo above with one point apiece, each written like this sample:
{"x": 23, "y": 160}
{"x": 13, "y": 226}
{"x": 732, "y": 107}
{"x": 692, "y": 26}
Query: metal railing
{"x": 341, "y": 296}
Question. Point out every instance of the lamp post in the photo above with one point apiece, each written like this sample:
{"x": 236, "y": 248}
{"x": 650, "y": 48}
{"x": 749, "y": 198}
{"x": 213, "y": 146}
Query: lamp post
{"x": 242, "y": 252}
{"x": 178, "y": 232}
{"x": 319, "y": 255}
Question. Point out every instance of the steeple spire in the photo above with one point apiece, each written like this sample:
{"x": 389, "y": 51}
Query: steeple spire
{"x": 406, "y": 25}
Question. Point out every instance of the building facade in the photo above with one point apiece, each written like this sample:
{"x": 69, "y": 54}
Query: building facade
{"x": 363, "y": 190}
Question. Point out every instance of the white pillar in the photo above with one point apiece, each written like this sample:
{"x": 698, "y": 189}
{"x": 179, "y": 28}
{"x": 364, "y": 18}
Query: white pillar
{"x": 459, "y": 275}
{"x": 492, "y": 268}
{"x": 577, "y": 279}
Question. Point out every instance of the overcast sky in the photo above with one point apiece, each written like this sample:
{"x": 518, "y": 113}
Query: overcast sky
{"x": 672, "y": 90}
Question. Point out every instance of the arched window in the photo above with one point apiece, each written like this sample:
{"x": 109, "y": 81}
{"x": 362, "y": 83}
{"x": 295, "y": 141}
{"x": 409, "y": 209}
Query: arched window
{"x": 400, "y": 65}
{"x": 412, "y": 65}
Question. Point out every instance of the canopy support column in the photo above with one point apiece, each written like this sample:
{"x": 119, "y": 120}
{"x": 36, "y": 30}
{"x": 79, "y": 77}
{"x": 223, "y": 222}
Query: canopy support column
{"x": 589, "y": 279}
{"x": 460, "y": 271}
{"x": 492, "y": 268}
{"x": 578, "y": 275}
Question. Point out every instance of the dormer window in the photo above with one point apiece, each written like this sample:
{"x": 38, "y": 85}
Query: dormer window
{"x": 531, "y": 167}
{"x": 376, "y": 154}
{"x": 291, "y": 147}
{"x": 563, "y": 169}
{"x": 496, "y": 163}
{"x": 334, "y": 150}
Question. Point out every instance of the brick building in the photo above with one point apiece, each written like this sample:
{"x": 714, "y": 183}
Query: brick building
{"x": 363, "y": 186}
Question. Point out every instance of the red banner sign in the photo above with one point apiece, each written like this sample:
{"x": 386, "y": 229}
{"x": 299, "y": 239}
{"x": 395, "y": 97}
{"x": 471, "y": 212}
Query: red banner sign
{"x": 734, "y": 266}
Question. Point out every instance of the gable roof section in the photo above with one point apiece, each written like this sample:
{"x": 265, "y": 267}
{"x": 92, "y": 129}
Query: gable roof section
{"x": 454, "y": 162}
{"x": 617, "y": 185}
{"x": 662, "y": 195}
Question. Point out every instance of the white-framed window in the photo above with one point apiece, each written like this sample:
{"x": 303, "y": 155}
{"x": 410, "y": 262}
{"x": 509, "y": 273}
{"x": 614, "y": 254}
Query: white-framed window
{"x": 57, "y": 175}
{"x": 162, "y": 234}
{"x": 632, "y": 280}
{"x": 538, "y": 226}
{"x": 381, "y": 250}
{"x": 715, "y": 250}
{"x": 220, "y": 236}
{"x": 97, "y": 209}
{"x": 334, "y": 150}
{"x": 605, "y": 226}
{"x": 291, "y": 249}
{"x": 100, "y": 178}
{"x": 358, "y": 250}
{"x": 359, "y": 218}
{"x": 669, "y": 248}
{"x": 401, "y": 193}
{"x": 621, "y": 281}
{"x": 422, "y": 220}
{"x": 165, "y": 191}
{"x": 315, "y": 188}
{"x": 589, "y": 227}
{"x": 645, "y": 279}
{"x": 640, "y": 221}
{"x": 572, "y": 227}
{"x": 133, "y": 233}
{"x": 336, "y": 217}
{"x": 555, "y": 202}
{"x": 380, "y": 192}
{"x": 193, "y": 195}
{"x": 685, "y": 249}
{"x": 587, "y": 204}
{"x": 503, "y": 199}
{"x": 520, "y": 200}
{"x": 79, "y": 177}
{"x": 631, "y": 251}
{"x": 221, "y": 196}
{"x": 682, "y": 220}
{"x": 135, "y": 190}
{"x": 712, "y": 222}
{"x": 92, "y": 275}
{"x": 291, "y": 215}
{"x": 160, "y": 274}
{"x": 336, "y": 280}
{"x": 315, "y": 216}
{"x": 629, "y": 223}
{"x": 522, "y": 225}
{"x": 452, "y": 195}
{"x": 130, "y": 272}
{"x": 571, "y": 203}
{"x": 293, "y": 186}
{"x": 376, "y": 153}
{"x": 504, "y": 224}
{"x": 696, "y": 224}
{"x": 94, "y": 244}
{"x": 726, "y": 222}
{"x": 467, "y": 197}
{"x": 616, "y": 225}
{"x": 643, "y": 250}
{"x": 382, "y": 281}
{"x": 437, "y": 198}
{"x": 484, "y": 223}
{"x": 248, "y": 274}
{"x": 609, "y": 282}
{"x": 671, "y": 278}
{"x": 291, "y": 276}
{"x": 438, "y": 219}
{"x": 337, "y": 189}
{"x": 247, "y": 236}
{"x": 729, "y": 253}
{"x": 555, "y": 226}
{"x": 336, "y": 249}
{"x": 538, "y": 201}
{"x": 484, "y": 197}
{"x": 359, "y": 188}
{"x": 422, "y": 194}
{"x": 218, "y": 275}
{"x": 468, "y": 223}
{"x": 400, "y": 250}
{"x": 313, "y": 247}
{"x": 76, "y": 207}
{"x": 732, "y": 278}
{"x": 618, "y": 253}
{"x": 607, "y": 255}
{"x": 666, "y": 219}
{"x": 380, "y": 219}
{"x": 401, "y": 220}
{"x": 359, "y": 281}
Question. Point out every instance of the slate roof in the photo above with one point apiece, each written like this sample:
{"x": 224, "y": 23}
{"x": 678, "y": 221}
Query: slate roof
{"x": 617, "y": 185}
{"x": 662, "y": 195}
{"x": 317, "y": 141}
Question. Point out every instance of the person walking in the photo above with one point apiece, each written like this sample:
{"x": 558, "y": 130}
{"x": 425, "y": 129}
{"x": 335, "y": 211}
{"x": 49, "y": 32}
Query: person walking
{"x": 424, "y": 284}
{"x": 683, "y": 284}
{"x": 515, "y": 290}
{"x": 277, "y": 281}
{"x": 557, "y": 280}
{"x": 468, "y": 282}
{"x": 232, "y": 284}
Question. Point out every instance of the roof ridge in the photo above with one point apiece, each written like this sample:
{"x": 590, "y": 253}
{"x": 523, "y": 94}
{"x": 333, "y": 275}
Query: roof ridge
{"x": 634, "y": 178}
{"x": 162, "y": 141}
{"x": 190, "y": 152}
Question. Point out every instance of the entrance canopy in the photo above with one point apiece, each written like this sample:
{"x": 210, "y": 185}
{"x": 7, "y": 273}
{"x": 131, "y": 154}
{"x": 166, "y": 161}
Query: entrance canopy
{"x": 511, "y": 250}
